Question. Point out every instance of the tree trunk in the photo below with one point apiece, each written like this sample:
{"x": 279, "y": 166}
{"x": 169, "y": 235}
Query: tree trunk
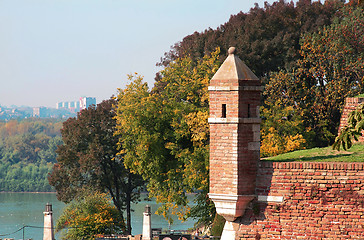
{"x": 128, "y": 204}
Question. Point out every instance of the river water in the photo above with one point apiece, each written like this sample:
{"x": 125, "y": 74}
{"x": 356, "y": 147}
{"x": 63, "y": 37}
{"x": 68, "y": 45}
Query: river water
{"x": 26, "y": 209}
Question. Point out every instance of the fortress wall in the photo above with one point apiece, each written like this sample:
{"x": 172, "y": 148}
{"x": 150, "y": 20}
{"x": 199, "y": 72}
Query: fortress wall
{"x": 320, "y": 201}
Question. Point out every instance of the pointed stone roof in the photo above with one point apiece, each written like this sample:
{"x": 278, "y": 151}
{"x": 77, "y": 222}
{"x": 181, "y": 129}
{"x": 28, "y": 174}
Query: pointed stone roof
{"x": 234, "y": 69}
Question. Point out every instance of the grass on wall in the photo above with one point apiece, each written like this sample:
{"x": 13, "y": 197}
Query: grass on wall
{"x": 327, "y": 154}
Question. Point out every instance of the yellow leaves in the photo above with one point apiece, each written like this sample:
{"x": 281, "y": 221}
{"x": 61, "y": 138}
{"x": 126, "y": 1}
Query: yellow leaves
{"x": 294, "y": 143}
{"x": 274, "y": 144}
{"x": 171, "y": 205}
{"x": 88, "y": 216}
{"x": 281, "y": 129}
{"x": 199, "y": 127}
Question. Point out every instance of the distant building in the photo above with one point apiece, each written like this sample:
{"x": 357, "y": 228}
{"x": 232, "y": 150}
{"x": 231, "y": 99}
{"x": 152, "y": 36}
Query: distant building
{"x": 59, "y": 105}
{"x": 85, "y": 102}
{"x": 40, "y": 112}
{"x": 75, "y": 106}
{"x": 71, "y": 105}
{"x": 66, "y": 105}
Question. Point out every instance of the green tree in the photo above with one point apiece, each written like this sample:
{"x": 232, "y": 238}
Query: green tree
{"x": 48, "y": 153}
{"x": 88, "y": 215}
{"x": 165, "y": 134}
{"x": 88, "y": 159}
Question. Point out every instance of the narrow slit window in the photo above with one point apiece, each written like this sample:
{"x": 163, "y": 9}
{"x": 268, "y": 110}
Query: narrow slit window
{"x": 248, "y": 110}
{"x": 223, "y": 111}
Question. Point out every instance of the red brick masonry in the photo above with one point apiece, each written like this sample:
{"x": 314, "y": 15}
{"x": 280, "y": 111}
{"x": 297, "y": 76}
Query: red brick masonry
{"x": 350, "y": 105}
{"x": 321, "y": 201}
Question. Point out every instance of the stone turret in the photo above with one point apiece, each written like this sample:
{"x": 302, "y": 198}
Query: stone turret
{"x": 147, "y": 227}
{"x": 234, "y": 121}
{"x": 48, "y": 230}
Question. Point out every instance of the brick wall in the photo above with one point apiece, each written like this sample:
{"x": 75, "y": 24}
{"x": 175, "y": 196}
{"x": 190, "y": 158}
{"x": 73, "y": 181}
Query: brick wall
{"x": 320, "y": 201}
{"x": 223, "y": 159}
{"x": 350, "y": 105}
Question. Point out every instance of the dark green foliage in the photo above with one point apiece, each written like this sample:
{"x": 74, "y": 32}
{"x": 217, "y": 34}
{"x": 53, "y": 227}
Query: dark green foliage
{"x": 267, "y": 38}
{"x": 25, "y": 178}
{"x": 27, "y": 151}
{"x": 217, "y": 225}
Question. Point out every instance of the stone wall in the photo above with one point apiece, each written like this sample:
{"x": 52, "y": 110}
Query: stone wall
{"x": 320, "y": 201}
{"x": 350, "y": 105}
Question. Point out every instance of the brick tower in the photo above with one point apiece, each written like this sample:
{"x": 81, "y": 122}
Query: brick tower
{"x": 234, "y": 136}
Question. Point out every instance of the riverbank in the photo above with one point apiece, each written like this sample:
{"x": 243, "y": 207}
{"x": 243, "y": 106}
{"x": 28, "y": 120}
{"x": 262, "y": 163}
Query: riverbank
{"x": 18, "y": 209}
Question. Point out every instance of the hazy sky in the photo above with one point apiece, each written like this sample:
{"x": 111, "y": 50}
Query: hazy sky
{"x": 59, "y": 50}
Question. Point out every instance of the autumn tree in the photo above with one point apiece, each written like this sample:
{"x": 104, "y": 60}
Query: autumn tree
{"x": 88, "y": 215}
{"x": 166, "y": 134}
{"x": 88, "y": 159}
{"x": 330, "y": 70}
{"x": 282, "y": 129}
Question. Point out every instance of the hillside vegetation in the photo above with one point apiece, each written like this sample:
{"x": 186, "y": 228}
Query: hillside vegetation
{"x": 27, "y": 153}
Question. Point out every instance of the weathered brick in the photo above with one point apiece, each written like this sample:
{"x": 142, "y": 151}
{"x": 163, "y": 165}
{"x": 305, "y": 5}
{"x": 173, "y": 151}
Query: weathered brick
{"x": 311, "y": 209}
